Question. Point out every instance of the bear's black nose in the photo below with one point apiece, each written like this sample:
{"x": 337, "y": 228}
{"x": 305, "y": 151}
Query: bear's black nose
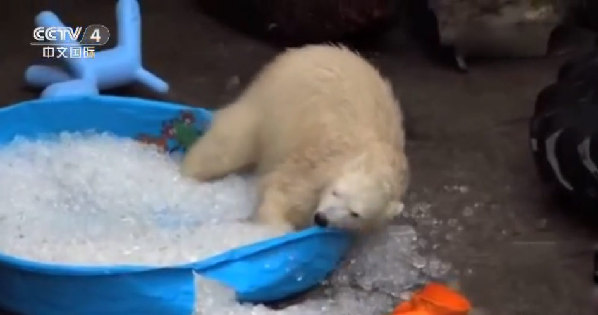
{"x": 320, "y": 220}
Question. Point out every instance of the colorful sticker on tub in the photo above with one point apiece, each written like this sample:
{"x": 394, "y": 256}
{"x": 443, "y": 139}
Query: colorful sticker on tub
{"x": 176, "y": 134}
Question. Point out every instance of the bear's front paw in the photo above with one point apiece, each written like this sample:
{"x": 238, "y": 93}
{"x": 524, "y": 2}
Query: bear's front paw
{"x": 282, "y": 228}
{"x": 278, "y": 226}
{"x": 195, "y": 171}
{"x": 188, "y": 171}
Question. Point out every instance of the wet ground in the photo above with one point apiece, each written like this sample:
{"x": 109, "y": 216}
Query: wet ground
{"x": 515, "y": 251}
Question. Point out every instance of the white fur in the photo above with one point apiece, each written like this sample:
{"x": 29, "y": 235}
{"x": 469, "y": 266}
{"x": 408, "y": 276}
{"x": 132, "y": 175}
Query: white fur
{"x": 324, "y": 131}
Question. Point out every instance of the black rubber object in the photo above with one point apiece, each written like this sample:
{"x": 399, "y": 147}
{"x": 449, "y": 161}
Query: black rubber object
{"x": 564, "y": 131}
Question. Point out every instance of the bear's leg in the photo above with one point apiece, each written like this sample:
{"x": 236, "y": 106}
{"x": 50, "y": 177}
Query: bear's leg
{"x": 288, "y": 197}
{"x": 228, "y": 145}
{"x": 274, "y": 209}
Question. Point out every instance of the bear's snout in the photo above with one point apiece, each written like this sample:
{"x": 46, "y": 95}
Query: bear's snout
{"x": 320, "y": 219}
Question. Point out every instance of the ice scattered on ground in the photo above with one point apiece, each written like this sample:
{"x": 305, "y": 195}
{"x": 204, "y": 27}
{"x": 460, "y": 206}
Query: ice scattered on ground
{"x": 449, "y": 229}
{"x": 214, "y": 298}
{"x": 387, "y": 262}
{"x": 459, "y": 188}
{"x": 99, "y": 199}
{"x": 468, "y": 211}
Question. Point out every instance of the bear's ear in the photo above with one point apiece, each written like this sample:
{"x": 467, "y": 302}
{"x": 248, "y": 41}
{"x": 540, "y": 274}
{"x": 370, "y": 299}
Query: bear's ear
{"x": 394, "y": 208}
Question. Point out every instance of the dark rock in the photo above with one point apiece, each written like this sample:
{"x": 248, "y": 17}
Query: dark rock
{"x": 302, "y": 21}
{"x": 586, "y": 13}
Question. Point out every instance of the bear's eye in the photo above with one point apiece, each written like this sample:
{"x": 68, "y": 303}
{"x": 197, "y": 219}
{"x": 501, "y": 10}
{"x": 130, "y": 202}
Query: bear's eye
{"x": 354, "y": 214}
{"x": 335, "y": 193}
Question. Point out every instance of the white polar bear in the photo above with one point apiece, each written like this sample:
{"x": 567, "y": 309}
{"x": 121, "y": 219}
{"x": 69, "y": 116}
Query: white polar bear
{"x": 325, "y": 134}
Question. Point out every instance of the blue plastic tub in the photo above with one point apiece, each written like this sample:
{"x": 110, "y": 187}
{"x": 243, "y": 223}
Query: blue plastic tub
{"x": 263, "y": 272}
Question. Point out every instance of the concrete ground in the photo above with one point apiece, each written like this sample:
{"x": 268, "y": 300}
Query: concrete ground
{"x": 515, "y": 251}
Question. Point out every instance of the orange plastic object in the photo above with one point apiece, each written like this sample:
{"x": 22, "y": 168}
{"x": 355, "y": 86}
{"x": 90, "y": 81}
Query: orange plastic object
{"x": 434, "y": 299}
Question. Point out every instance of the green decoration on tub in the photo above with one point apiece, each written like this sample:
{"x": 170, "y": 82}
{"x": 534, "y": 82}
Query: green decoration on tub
{"x": 181, "y": 132}
{"x": 184, "y": 130}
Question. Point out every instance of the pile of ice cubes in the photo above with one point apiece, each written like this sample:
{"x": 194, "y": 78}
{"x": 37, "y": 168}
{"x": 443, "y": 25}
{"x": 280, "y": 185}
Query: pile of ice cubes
{"x": 98, "y": 199}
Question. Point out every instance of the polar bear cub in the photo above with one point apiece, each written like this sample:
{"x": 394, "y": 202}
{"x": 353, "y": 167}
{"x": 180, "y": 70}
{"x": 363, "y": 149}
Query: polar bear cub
{"x": 324, "y": 132}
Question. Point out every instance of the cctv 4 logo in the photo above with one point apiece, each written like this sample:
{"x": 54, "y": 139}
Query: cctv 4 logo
{"x": 95, "y": 35}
